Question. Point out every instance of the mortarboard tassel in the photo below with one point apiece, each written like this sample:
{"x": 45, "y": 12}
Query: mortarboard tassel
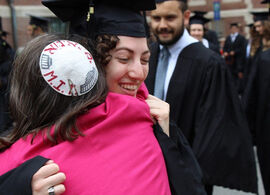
{"x": 90, "y": 20}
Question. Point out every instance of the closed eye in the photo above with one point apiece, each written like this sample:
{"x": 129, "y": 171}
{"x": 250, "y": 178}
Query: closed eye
{"x": 123, "y": 60}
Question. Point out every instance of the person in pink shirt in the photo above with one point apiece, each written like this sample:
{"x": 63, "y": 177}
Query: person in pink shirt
{"x": 104, "y": 143}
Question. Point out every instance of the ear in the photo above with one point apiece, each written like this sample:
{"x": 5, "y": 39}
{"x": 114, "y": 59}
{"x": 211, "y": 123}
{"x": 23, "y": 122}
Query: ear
{"x": 186, "y": 17}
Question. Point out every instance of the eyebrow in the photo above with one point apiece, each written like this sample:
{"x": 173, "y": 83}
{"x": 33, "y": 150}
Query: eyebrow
{"x": 131, "y": 51}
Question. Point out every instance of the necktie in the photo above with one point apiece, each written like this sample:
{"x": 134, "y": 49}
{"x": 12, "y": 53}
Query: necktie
{"x": 161, "y": 72}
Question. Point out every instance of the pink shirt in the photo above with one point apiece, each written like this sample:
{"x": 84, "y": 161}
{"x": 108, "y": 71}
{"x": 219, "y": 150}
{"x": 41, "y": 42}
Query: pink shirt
{"x": 119, "y": 154}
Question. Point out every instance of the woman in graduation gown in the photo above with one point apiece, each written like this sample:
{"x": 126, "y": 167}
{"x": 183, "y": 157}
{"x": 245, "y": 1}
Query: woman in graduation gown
{"x": 256, "y": 104}
{"x": 182, "y": 169}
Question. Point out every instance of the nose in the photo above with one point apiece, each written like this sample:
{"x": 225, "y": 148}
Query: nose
{"x": 136, "y": 70}
{"x": 163, "y": 23}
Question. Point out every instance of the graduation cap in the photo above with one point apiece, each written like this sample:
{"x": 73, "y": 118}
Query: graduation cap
{"x": 198, "y": 19}
{"x": 161, "y": 1}
{"x": 260, "y": 16}
{"x": 118, "y": 17}
{"x": 38, "y": 21}
{"x": 250, "y": 25}
{"x": 199, "y": 13}
{"x": 234, "y": 24}
{"x": 265, "y": 1}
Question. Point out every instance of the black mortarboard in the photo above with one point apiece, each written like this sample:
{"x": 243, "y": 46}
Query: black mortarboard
{"x": 38, "y": 21}
{"x": 250, "y": 25}
{"x": 234, "y": 24}
{"x": 260, "y": 16}
{"x": 265, "y": 1}
{"x": 198, "y": 19}
{"x": 160, "y": 1}
{"x": 118, "y": 17}
{"x": 199, "y": 13}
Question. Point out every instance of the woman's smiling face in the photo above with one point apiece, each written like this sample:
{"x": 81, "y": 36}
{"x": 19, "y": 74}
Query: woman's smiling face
{"x": 128, "y": 67}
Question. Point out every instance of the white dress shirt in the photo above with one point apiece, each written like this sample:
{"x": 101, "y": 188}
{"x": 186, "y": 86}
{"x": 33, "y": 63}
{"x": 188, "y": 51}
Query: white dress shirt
{"x": 233, "y": 36}
{"x": 175, "y": 51}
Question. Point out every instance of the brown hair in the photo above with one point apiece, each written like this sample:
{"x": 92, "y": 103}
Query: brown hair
{"x": 260, "y": 41}
{"x": 266, "y": 35}
{"x": 182, "y": 5}
{"x": 255, "y": 41}
{"x": 35, "y": 105}
{"x": 104, "y": 44}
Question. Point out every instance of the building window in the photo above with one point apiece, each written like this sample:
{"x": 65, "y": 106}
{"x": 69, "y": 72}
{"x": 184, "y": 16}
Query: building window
{"x": 57, "y": 26}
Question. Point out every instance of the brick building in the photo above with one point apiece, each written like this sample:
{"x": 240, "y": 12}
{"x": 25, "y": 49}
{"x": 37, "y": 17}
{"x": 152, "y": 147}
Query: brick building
{"x": 231, "y": 11}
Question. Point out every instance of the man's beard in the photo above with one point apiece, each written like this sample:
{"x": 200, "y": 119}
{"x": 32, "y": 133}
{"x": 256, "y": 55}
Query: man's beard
{"x": 174, "y": 39}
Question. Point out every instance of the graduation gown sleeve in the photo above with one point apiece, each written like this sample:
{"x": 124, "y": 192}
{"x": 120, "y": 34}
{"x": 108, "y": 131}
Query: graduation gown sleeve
{"x": 18, "y": 180}
{"x": 183, "y": 170}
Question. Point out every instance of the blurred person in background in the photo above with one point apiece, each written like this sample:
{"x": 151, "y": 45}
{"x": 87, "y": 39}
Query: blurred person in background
{"x": 234, "y": 53}
{"x": 197, "y": 30}
{"x": 37, "y": 26}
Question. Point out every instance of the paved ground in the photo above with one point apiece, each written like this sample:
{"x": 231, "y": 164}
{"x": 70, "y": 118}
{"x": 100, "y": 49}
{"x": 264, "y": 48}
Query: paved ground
{"x": 224, "y": 191}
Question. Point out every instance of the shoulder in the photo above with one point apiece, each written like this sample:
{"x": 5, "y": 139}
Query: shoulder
{"x": 202, "y": 56}
{"x": 154, "y": 47}
{"x": 265, "y": 55}
{"x": 197, "y": 51}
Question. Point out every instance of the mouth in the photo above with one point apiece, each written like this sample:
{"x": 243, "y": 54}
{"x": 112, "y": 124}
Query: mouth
{"x": 129, "y": 89}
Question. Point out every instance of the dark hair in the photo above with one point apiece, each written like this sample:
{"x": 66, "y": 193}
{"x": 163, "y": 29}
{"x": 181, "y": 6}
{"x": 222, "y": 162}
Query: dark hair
{"x": 104, "y": 44}
{"x": 35, "y": 105}
{"x": 182, "y": 5}
{"x": 260, "y": 41}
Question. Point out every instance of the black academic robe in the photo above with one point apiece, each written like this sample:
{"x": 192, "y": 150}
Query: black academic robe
{"x": 236, "y": 63}
{"x": 212, "y": 37}
{"x": 256, "y": 102}
{"x": 184, "y": 173}
{"x": 214, "y": 47}
{"x": 5, "y": 119}
{"x": 204, "y": 104}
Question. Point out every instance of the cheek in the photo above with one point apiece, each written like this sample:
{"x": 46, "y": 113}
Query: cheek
{"x": 145, "y": 71}
{"x": 154, "y": 26}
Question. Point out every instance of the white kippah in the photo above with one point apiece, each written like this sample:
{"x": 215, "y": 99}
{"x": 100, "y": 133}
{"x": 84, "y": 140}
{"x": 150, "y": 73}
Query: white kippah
{"x": 68, "y": 68}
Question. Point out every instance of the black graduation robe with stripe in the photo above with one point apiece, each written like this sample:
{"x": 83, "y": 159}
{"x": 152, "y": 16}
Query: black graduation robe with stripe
{"x": 204, "y": 104}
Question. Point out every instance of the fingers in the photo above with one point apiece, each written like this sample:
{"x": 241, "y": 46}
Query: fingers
{"x": 48, "y": 169}
{"x": 160, "y": 111}
{"x": 59, "y": 189}
{"x": 48, "y": 176}
{"x": 55, "y": 179}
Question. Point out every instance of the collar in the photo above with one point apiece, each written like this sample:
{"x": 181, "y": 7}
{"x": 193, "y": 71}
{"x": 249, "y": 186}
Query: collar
{"x": 235, "y": 34}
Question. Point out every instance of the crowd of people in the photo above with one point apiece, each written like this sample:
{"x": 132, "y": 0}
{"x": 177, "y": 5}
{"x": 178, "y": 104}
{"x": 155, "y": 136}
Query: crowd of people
{"x": 103, "y": 110}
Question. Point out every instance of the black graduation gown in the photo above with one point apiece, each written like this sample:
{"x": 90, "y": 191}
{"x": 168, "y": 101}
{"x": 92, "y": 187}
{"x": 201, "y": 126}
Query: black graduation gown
{"x": 184, "y": 173}
{"x": 256, "y": 102}
{"x": 239, "y": 47}
{"x": 212, "y": 37}
{"x": 18, "y": 180}
{"x": 5, "y": 120}
{"x": 214, "y": 47}
{"x": 204, "y": 104}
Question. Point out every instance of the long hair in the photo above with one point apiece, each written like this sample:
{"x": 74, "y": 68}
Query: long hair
{"x": 260, "y": 42}
{"x": 255, "y": 41}
{"x": 266, "y": 36}
{"x": 36, "y": 106}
